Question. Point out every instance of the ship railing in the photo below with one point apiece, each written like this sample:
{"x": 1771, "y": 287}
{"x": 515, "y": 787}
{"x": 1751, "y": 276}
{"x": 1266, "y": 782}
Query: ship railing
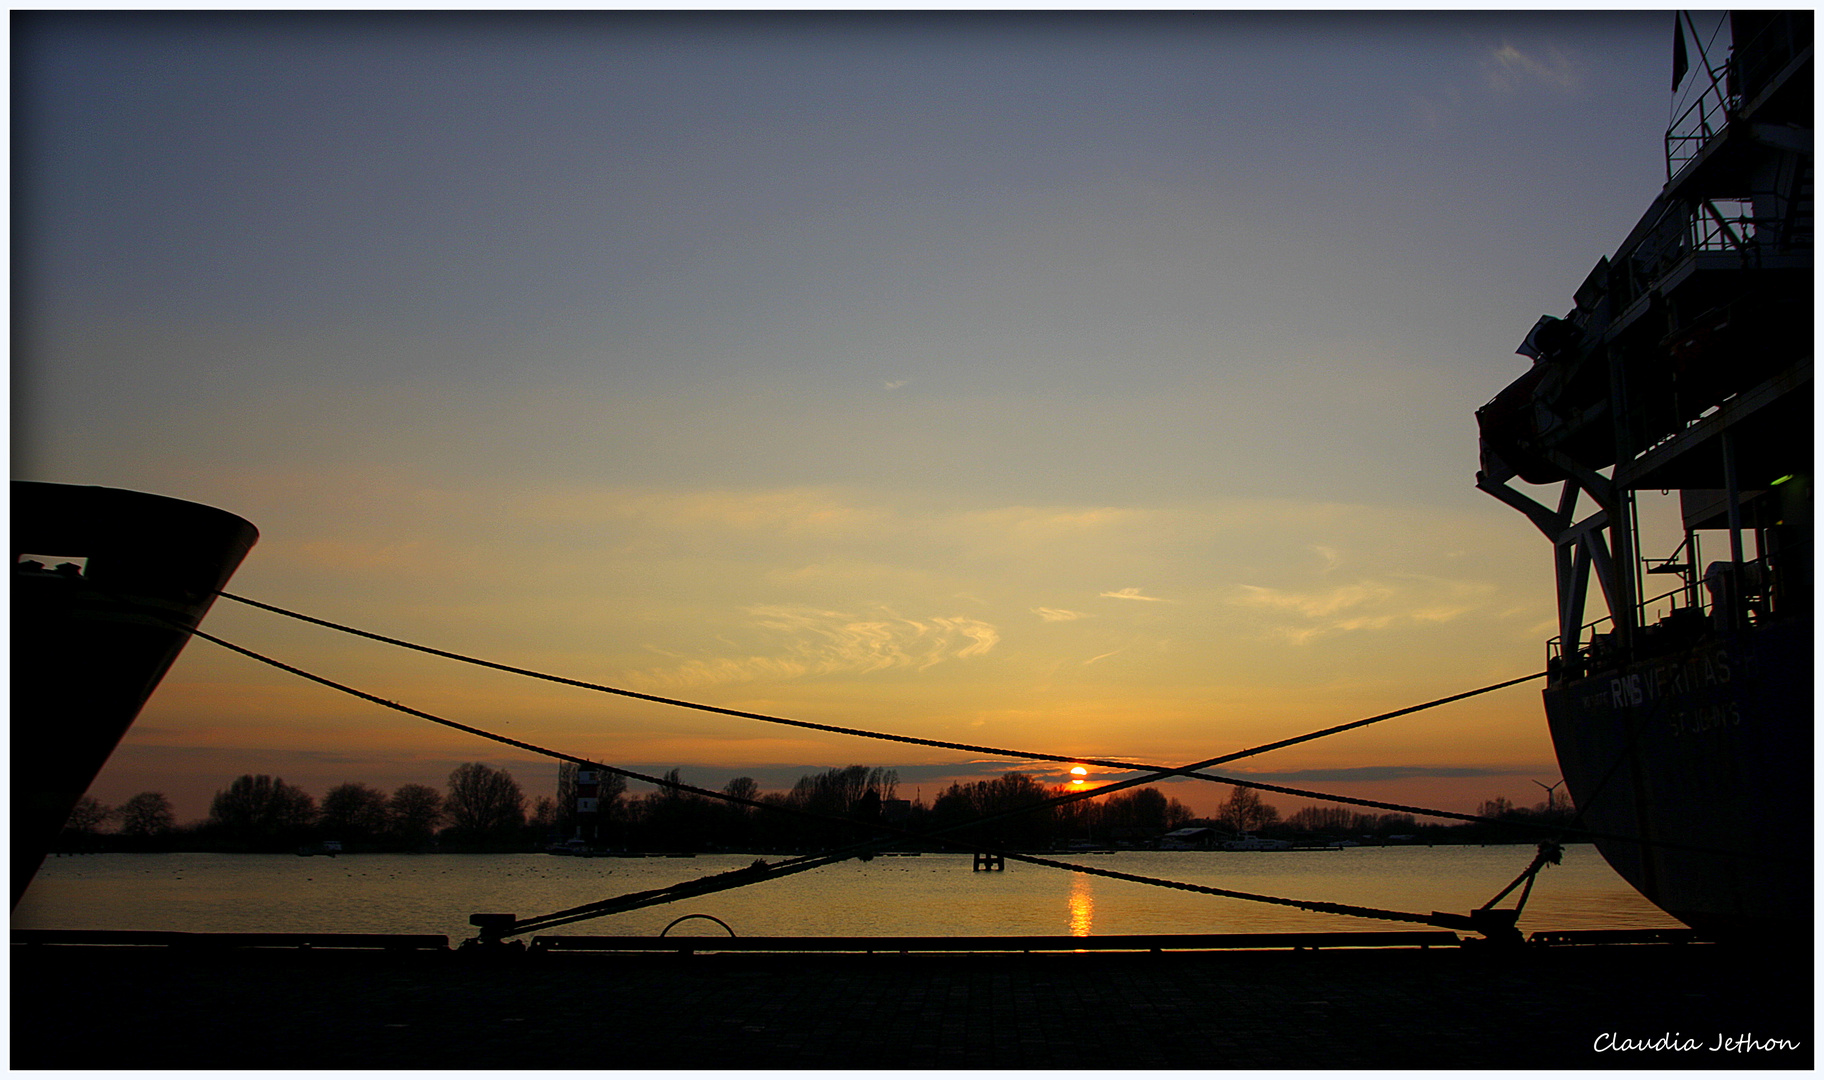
{"x": 1721, "y": 225}
{"x": 1709, "y": 227}
{"x": 1681, "y": 616}
{"x": 1704, "y": 120}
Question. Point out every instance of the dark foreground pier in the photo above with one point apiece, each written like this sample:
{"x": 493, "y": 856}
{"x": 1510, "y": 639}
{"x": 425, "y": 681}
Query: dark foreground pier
{"x": 1684, "y": 1006}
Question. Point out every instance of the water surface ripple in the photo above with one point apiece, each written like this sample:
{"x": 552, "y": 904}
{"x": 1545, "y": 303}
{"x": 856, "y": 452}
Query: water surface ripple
{"x": 931, "y": 894}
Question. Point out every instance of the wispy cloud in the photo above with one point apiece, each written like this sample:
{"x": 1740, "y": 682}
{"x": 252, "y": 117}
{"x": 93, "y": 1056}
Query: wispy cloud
{"x": 1050, "y": 614}
{"x": 1508, "y": 69}
{"x": 893, "y": 384}
{"x": 1135, "y": 594}
{"x": 1319, "y": 603}
{"x": 811, "y": 641}
{"x": 982, "y": 636}
{"x": 1365, "y": 605}
{"x": 1332, "y": 558}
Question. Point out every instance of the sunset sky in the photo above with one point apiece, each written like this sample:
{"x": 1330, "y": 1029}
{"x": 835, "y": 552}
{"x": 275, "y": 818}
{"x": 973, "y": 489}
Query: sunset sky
{"x": 1095, "y": 385}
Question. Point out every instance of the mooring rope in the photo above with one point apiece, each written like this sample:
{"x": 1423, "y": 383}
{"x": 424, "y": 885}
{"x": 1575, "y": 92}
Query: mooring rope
{"x": 761, "y": 871}
{"x": 864, "y": 733}
{"x": 764, "y": 872}
{"x": 1155, "y": 771}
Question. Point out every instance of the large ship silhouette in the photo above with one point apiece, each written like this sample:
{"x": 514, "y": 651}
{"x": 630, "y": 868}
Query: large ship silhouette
{"x": 107, "y": 586}
{"x": 1681, "y": 716}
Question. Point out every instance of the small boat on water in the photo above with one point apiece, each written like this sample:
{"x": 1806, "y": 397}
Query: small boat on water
{"x": 1682, "y": 716}
{"x": 577, "y": 849}
{"x": 1250, "y": 842}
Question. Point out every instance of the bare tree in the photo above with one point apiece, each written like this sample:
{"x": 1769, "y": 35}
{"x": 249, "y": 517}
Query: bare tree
{"x": 354, "y": 812}
{"x": 836, "y": 791}
{"x": 484, "y": 803}
{"x": 414, "y": 813}
{"x": 1013, "y": 791}
{"x": 610, "y": 795}
{"x": 1499, "y": 806}
{"x": 1245, "y": 812}
{"x": 147, "y": 814}
{"x": 544, "y": 814}
{"x": 735, "y": 824}
{"x": 262, "y": 810}
{"x": 674, "y": 819}
{"x": 88, "y": 816}
{"x": 1145, "y": 808}
{"x": 566, "y": 798}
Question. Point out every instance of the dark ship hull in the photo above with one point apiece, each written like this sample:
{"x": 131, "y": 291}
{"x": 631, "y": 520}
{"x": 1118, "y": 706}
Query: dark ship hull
{"x": 1699, "y": 748}
{"x": 107, "y": 586}
{"x": 1683, "y": 721}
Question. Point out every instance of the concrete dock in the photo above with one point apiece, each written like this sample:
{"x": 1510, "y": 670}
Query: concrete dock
{"x": 1690, "y": 1006}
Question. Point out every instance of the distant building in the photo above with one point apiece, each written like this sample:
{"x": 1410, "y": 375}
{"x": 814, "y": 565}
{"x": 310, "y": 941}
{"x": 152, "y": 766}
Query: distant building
{"x": 588, "y": 795}
{"x": 1195, "y": 838}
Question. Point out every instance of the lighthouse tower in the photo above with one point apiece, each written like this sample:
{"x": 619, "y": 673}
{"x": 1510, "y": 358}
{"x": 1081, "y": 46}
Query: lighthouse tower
{"x": 588, "y": 805}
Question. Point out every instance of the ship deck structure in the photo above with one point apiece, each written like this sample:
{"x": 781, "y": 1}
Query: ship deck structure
{"x": 1681, "y": 712}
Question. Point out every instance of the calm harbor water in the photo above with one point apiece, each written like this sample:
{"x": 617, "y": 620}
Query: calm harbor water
{"x": 891, "y": 895}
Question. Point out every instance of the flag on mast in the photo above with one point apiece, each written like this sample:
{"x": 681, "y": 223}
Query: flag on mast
{"x": 1681, "y": 63}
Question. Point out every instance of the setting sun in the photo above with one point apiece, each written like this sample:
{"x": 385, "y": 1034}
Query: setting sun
{"x": 1077, "y": 774}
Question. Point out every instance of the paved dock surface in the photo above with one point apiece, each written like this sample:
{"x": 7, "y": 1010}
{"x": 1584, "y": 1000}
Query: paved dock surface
{"x": 82, "y": 1007}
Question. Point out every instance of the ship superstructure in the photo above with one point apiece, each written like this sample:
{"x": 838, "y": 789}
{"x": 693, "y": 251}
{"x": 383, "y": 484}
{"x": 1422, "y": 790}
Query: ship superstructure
{"x": 1679, "y": 686}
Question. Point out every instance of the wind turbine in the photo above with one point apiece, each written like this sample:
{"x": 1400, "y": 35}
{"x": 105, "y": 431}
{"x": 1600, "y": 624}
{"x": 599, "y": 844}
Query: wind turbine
{"x": 1550, "y": 803}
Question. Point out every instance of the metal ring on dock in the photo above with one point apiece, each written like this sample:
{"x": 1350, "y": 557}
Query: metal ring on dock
{"x": 711, "y": 918}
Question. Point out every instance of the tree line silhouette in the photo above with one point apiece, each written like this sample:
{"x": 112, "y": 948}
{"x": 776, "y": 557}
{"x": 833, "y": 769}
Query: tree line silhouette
{"x": 857, "y": 802}
{"x": 483, "y": 808}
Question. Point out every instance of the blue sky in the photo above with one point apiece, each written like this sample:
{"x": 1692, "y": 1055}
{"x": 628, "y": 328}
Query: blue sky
{"x": 1102, "y": 384}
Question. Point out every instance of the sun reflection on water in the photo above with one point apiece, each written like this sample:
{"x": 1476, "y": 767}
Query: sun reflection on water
{"x": 1082, "y": 905}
